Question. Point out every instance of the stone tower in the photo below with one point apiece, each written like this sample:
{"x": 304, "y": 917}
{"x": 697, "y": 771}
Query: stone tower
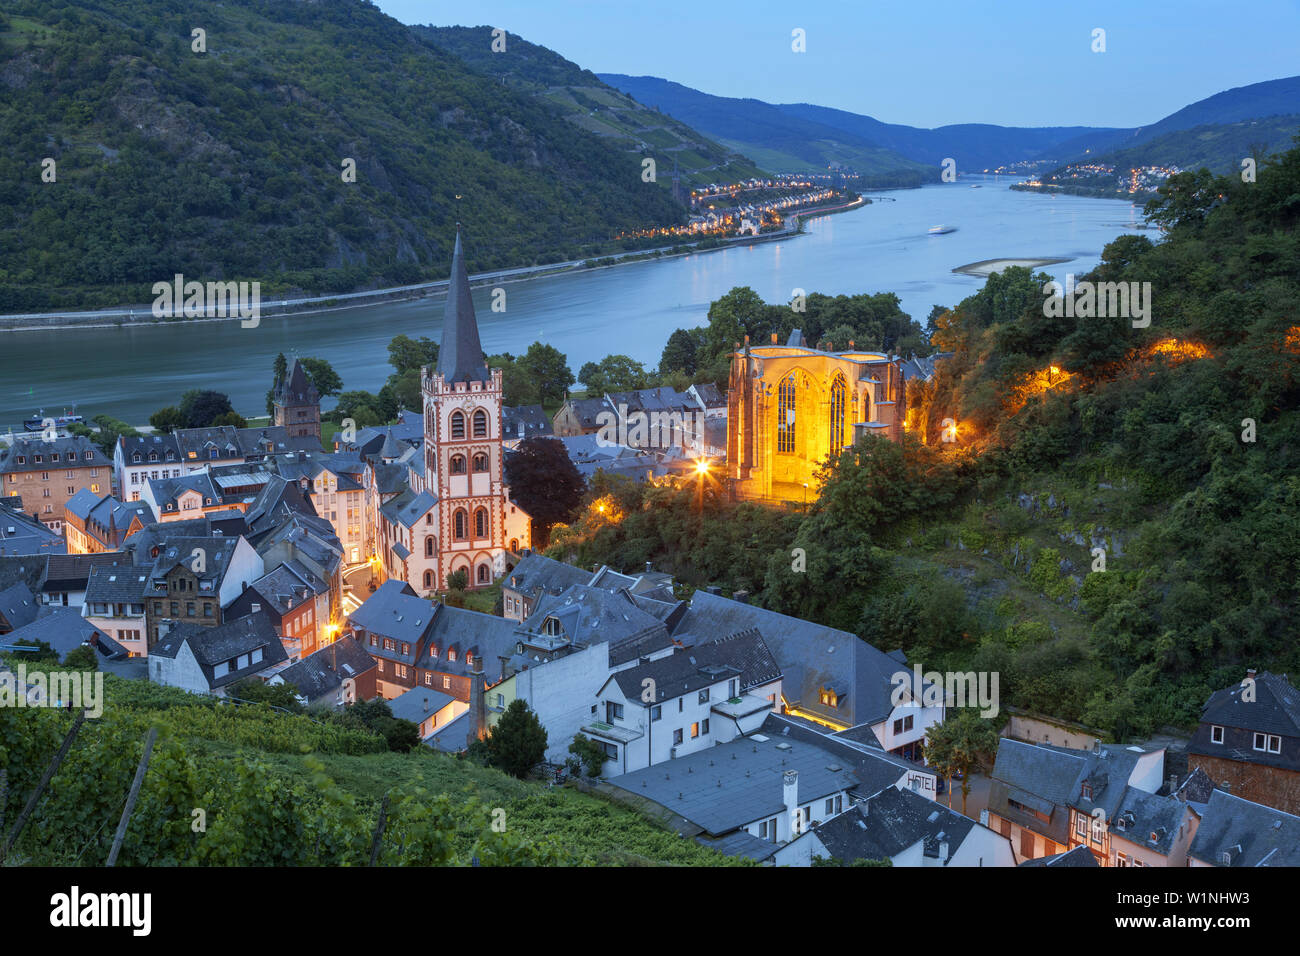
{"x": 296, "y": 404}
{"x": 463, "y": 455}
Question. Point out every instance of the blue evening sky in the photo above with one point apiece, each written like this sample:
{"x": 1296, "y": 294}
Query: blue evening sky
{"x": 919, "y": 62}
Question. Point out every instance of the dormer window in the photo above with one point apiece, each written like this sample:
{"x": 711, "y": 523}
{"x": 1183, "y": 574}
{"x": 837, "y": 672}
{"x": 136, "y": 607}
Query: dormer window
{"x": 153, "y": 456}
{"x": 1087, "y": 791}
{"x": 451, "y": 654}
{"x": 829, "y": 698}
{"x": 1216, "y": 734}
{"x": 552, "y": 627}
{"x": 135, "y": 459}
{"x": 54, "y": 456}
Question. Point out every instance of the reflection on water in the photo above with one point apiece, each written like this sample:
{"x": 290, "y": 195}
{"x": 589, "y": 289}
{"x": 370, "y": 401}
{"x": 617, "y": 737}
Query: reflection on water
{"x": 884, "y": 247}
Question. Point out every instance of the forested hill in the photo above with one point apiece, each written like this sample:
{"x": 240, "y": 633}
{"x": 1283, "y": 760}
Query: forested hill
{"x": 594, "y": 105}
{"x": 228, "y": 163}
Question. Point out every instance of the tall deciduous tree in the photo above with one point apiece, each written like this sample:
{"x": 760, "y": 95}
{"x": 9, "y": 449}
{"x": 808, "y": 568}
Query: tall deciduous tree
{"x": 549, "y": 370}
{"x": 963, "y": 743}
{"x": 545, "y": 483}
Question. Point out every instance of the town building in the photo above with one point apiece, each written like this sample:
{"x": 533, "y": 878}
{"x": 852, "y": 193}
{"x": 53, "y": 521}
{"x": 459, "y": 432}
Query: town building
{"x": 756, "y": 794}
{"x": 65, "y": 630}
{"x": 46, "y": 473}
{"x": 792, "y": 406}
{"x": 297, "y": 601}
{"x": 114, "y": 603}
{"x": 338, "y": 674}
{"x": 192, "y": 580}
{"x": 66, "y": 576}
{"x": 1235, "y": 832}
{"x": 95, "y": 524}
{"x": 1248, "y": 740}
{"x": 903, "y": 827}
{"x": 210, "y": 660}
{"x": 1049, "y": 799}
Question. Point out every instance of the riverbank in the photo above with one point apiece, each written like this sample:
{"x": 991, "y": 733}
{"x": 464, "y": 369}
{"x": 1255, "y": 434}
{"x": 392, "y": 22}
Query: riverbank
{"x": 986, "y": 267}
{"x": 140, "y": 315}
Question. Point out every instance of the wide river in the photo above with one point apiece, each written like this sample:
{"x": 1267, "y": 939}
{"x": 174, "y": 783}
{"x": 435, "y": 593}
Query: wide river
{"x": 129, "y": 373}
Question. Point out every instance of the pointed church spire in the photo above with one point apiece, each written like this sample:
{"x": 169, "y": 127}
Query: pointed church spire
{"x": 460, "y": 356}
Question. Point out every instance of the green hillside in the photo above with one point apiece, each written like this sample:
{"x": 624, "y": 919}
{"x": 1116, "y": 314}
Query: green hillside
{"x": 595, "y": 106}
{"x": 228, "y": 164}
{"x": 249, "y": 786}
{"x": 1218, "y": 147}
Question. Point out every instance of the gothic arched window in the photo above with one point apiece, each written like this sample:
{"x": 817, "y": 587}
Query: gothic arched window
{"x": 480, "y": 424}
{"x": 484, "y": 574}
{"x": 428, "y": 546}
{"x": 457, "y": 424}
{"x": 785, "y": 416}
{"x": 481, "y": 523}
{"x": 428, "y": 580}
{"x": 460, "y": 525}
{"x": 837, "y": 414}
{"x": 480, "y": 462}
{"x": 458, "y": 464}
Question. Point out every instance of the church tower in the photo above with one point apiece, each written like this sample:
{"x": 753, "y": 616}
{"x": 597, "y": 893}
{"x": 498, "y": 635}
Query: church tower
{"x": 477, "y": 523}
{"x": 296, "y": 404}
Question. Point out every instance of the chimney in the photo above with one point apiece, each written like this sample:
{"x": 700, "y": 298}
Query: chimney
{"x": 740, "y": 596}
{"x": 790, "y": 791}
{"x": 774, "y": 338}
{"x": 477, "y": 704}
{"x": 648, "y": 567}
{"x": 1250, "y": 673}
{"x": 1096, "y": 745}
{"x": 943, "y": 851}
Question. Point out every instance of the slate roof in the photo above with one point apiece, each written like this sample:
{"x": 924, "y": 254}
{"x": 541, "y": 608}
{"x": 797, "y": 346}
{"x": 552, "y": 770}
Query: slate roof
{"x": 419, "y": 704}
{"x": 22, "y": 569}
{"x": 490, "y": 639}
{"x": 734, "y": 784}
{"x": 537, "y": 573}
{"x": 105, "y": 515}
{"x": 460, "y": 355}
{"x": 22, "y": 535}
{"x": 1275, "y": 710}
{"x": 890, "y": 822}
{"x": 875, "y": 767}
{"x": 296, "y": 388}
{"x": 408, "y": 507}
{"x": 1250, "y": 833}
{"x": 216, "y": 554}
{"x": 216, "y": 645}
{"x": 166, "y": 446}
{"x": 451, "y": 737}
{"x": 811, "y": 656}
{"x": 525, "y": 421}
{"x": 72, "y": 451}
{"x": 289, "y": 586}
{"x": 229, "y": 442}
{"x": 710, "y": 395}
{"x": 590, "y": 615}
{"x": 323, "y": 672}
{"x": 587, "y": 411}
{"x": 1050, "y": 779}
{"x": 393, "y": 610}
{"x": 120, "y": 584}
{"x": 64, "y": 629}
{"x": 390, "y": 479}
{"x": 742, "y": 655}
{"x": 1079, "y": 856}
{"x": 1141, "y": 816}
{"x": 18, "y": 605}
{"x": 70, "y": 572}
{"x": 141, "y": 544}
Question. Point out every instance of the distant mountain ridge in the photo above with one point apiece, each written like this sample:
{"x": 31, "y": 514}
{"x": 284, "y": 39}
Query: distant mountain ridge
{"x": 755, "y": 126}
{"x": 772, "y": 138}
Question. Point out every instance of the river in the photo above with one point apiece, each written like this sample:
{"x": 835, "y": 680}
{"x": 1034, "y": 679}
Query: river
{"x": 129, "y": 373}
